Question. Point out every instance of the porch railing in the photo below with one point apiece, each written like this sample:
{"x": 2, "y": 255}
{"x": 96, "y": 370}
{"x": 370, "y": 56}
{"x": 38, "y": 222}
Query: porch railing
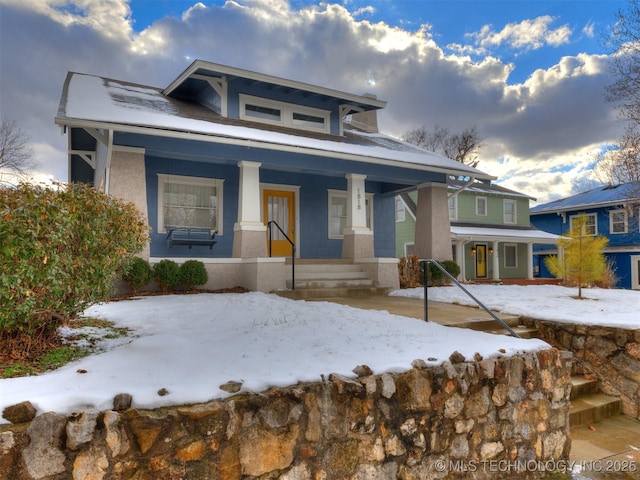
{"x": 424, "y": 265}
{"x": 293, "y": 250}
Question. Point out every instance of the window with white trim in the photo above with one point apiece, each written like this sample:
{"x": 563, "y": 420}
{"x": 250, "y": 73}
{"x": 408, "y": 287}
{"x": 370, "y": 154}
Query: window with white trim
{"x": 510, "y": 255}
{"x": 400, "y": 210}
{"x": 192, "y": 202}
{"x": 263, "y": 110}
{"x": 618, "y": 222}
{"x": 338, "y": 212}
{"x": 590, "y": 226}
{"x": 481, "y": 206}
{"x": 453, "y": 207}
{"x": 510, "y": 211}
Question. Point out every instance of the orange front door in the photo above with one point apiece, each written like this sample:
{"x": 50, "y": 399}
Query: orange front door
{"x": 481, "y": 261}
{"x": 279, "y": 207}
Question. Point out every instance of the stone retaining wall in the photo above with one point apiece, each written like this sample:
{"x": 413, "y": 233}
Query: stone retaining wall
{"x": 611, "y": 354}
{"x": 488, "y": 416}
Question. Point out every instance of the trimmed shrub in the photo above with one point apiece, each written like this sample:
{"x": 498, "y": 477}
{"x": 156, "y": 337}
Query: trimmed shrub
{"x": 451, "y": 267}
{"x": 61, "y": 248}
{"x": 137, "y": 273}
{"x": 193, "y": 273}
{"x": 167, "y": 274}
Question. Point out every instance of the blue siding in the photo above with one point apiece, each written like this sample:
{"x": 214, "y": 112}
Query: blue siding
{"x": 313, "y": 208}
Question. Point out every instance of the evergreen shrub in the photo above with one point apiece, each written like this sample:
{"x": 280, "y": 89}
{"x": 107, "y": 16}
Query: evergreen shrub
{"x": 137, "y": 273}
{"x": 193, "y": 273}
{"x": 167, "y": 274}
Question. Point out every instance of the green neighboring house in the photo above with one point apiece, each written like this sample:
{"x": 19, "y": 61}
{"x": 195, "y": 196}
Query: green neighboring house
{"x": 491, "y": 234}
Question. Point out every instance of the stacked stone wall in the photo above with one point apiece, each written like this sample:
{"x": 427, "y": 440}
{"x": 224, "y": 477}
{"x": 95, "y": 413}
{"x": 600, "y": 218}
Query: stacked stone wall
{"x": 611, "y": 354}
{"x": 487, "y": 418}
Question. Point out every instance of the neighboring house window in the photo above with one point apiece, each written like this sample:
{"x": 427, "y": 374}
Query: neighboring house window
{"x": 618, "y": 221}
{"x": 591, "y": 225}
{"x": 264, "y": 110}
{"x": 409, "y": 249}
{"x": 481, "y": 206}
{"x": 338, "y": 212}
{"x": 510, "y": 211}
{"x": 510, "y": 255}
{"x": 452, "y": 208}
{"x": 400, "y": 210}
{"x": 189, "y": 202}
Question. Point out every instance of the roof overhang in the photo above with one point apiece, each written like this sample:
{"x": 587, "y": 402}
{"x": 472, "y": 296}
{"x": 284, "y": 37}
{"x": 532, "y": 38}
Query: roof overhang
{"x": 215, "y": 70}
{"x": 503, "y": 235}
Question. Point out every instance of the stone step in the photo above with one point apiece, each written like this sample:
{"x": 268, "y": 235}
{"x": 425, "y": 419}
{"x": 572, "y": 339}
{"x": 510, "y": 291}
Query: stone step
{"x": 593, "y": 408}
{"x": 582, "y": 386}
{"x": 354, "y": 275}
{"x": 487, "y": 324}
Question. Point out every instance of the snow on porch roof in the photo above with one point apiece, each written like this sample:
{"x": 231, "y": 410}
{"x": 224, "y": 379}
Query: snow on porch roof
{"x": 487, "y": 233}
{"x": 92, "y": 101}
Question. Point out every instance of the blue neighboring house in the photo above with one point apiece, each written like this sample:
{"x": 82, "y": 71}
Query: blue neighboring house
{"x": 231, "y": 151}
{"x": 612, "y": 211}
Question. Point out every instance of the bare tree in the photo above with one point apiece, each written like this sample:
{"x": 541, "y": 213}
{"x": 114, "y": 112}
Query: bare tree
{"x": 462, "y": 147}
{"x": 16, "y": 157}
{"x": 622, "y": 165}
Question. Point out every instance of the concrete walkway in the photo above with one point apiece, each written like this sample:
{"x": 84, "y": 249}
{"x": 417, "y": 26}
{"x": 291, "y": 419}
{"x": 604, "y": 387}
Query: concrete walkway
{"x": 607, "y": 450}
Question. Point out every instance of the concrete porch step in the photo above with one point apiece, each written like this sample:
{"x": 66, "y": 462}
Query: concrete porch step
{"x": 329, "y": 293}
{"x": 327, "y": 283}
{"x": 593, "y": 408}
{"x": 316, "y": 275}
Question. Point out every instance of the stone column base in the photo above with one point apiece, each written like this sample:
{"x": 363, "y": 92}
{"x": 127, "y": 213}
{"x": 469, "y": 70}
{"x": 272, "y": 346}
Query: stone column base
{"x": 357, "y": 244}
{"x": 249, "y": 242}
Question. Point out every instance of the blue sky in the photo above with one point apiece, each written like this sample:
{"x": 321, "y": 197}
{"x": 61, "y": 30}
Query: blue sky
{"x": 529, "y": 75}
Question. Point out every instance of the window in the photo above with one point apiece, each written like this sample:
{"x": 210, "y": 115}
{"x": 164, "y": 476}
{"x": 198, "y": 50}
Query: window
{"x": 618, "y": 221}
{"x": 338, "y": 212}
{"x": 452, "y": 207}
{"x": 481, "y": 206}
{"x": 510, "y": 211}
{"x": 510, "y": 255}
{"x": 189, "y": 202}
{"x": 286, "y": 114}
{"x": 591, "y": 226}
{"x": 400, "y": 210}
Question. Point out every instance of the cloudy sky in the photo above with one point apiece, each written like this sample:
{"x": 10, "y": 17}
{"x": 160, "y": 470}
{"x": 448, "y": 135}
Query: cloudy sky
{"x": 529, "y": 75}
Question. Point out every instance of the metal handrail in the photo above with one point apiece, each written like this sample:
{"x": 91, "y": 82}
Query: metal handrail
{"x": 424, "y": 263}
{"x": 293, "y": 251}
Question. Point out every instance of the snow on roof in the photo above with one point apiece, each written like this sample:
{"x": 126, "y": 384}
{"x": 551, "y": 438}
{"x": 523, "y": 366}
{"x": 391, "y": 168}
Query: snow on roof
{"x": 533, "y": 234}
{"x": 106, "y": 102}
{"x": 601, "y": 196}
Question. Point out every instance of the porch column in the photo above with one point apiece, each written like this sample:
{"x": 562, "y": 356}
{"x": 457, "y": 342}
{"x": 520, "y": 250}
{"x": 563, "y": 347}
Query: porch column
{"x": 249, "y": 233}
{"x": 433, "y": 229}
{"x": 530, "y": 261}
{"x": 357, "y": 238}
{"x": 495, "y": 261}
{"x": 460, "y": 260}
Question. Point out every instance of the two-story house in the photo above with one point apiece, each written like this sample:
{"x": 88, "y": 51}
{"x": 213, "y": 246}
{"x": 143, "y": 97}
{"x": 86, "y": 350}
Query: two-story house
{"x": 612, "y": 211}
{"x": 263, "y": 162}
{"x": 491, "y": 235}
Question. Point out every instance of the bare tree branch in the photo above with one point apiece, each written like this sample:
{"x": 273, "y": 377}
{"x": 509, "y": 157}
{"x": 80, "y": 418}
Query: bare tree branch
{"x": 463, "y": 147}
{"x": 16, "y": 156}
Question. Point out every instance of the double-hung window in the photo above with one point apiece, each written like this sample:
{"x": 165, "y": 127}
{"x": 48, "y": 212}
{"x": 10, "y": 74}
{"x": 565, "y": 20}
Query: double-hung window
{"x": 618, "y": 222}
{"x": 510, "y": 255}
{"x": 400, "y": 210}
{"x": 191, "y": 202}
{"x": 452, "y": 207}
{"x": 338, "y": 212}
{"x": 510, "y": 211}
{"x": 590, "y": 226}
{"x": 481, "y": 206}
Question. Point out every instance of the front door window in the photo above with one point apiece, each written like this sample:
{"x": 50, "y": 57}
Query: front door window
{"x": 481, "y": 261}
{"x": 279, "y": 207}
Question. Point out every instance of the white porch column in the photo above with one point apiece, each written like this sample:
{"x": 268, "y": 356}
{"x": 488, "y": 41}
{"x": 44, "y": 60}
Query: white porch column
{"x": 530, "y": 261}
{"x": 357, "y": 238}
{"x": 495, "y": 261}
{"x": 433, "y": 228}
{"x": 460, "y": 260}
{"x": 249, "y": 233}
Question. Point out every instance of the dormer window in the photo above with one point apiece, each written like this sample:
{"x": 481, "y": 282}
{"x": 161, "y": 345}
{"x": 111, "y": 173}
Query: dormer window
{"x": 291, "y": 115}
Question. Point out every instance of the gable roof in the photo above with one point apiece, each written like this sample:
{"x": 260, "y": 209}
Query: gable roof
{"x": 483, "y": 187}
{"x": 607, "y": 195}
{"x": 90, "y": 101}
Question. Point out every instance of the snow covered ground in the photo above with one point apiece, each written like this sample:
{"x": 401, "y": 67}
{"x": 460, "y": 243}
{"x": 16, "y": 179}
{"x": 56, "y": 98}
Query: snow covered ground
{"x": 192, "y": 344}
{"x": 614, "y": 308}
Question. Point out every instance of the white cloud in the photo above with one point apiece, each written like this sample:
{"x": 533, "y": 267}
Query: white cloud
{"x": 527, "y": 35}
{"x": 557, "y": 115}
{"x": 589, "y": 29}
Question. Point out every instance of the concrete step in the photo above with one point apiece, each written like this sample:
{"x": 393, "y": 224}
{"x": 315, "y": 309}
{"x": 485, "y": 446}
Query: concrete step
{"x": 328, "y": 293}
{"x": 354, "y": 275}
{"x": 328, "y": 283}
{"x": 593, "y": 408}
{"x": 327, "y": 268}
